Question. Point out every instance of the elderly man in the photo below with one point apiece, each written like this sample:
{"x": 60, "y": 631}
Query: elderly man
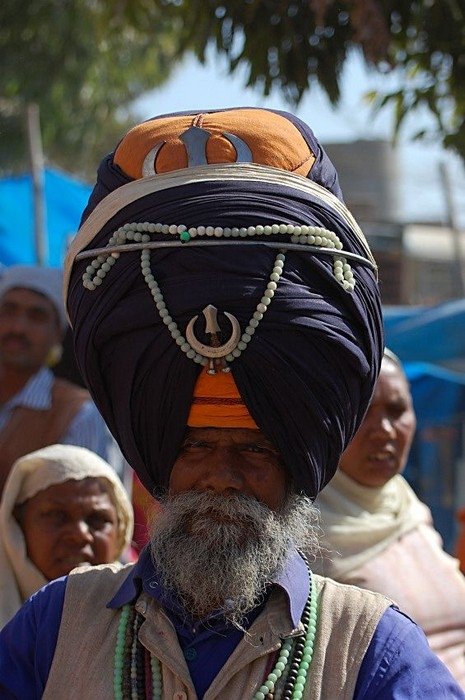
{"x": 226, "y": 316}
{"x": 37, "y": 409}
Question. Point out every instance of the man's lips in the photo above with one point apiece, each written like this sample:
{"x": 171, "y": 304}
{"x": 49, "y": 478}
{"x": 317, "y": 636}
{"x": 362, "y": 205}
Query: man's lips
{"x": 14, "y": 343}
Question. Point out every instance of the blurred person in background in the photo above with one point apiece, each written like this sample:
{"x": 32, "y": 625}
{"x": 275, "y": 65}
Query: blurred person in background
{"x": 378, "y": 535}
{"x": 62, "y": 507}
{"x": 36, "y": 408}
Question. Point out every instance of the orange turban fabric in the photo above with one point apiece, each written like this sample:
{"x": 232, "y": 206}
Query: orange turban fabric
{"x": 217, "y": 403}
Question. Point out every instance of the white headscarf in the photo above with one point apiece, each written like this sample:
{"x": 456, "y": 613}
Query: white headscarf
{"x": 358, "y": 522}
{"x": 55, "y": 464}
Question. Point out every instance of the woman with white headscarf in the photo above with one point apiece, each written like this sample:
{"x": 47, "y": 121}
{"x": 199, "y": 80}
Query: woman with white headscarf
{"x": 378, "y": 535}
{"x": 62, "y": 506}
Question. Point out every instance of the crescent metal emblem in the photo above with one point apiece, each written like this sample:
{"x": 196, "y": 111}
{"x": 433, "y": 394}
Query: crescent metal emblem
{"x": 148, "y": 166}
{"x": 213, "y": 351}
{"x": 195, "y": 141}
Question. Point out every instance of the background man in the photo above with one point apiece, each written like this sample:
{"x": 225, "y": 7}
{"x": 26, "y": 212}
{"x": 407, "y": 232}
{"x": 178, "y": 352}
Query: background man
{"x": 37, "y": 409}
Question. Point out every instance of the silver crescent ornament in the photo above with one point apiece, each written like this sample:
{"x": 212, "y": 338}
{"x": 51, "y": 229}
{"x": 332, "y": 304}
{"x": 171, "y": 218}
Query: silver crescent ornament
{"x": 213, "y": 351}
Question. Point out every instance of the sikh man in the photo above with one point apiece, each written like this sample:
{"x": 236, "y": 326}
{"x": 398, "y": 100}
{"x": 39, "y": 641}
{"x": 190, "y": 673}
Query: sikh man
{"x": 227, "y": 320}
{"x": 37, "y": 409}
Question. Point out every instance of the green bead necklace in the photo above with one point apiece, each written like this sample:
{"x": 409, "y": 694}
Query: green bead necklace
{"x": 137, "y": 674}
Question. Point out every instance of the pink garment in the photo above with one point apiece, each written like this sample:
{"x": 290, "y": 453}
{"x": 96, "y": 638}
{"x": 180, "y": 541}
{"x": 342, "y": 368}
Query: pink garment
{"x": 426, "y": 583}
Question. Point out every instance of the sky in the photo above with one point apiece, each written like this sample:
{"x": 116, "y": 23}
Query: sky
{"x": 421, "y": 192}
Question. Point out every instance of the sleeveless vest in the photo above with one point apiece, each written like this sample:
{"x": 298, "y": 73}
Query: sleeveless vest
{"x": 29, "y": 429}
{"x": 84, "y": 656}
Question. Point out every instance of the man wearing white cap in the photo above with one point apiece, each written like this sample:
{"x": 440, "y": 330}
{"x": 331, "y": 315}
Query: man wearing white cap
{"x": 37, "y": 409}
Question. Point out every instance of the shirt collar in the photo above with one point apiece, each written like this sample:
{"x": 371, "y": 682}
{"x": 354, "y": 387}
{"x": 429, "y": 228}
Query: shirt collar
{"x": 36, "y": 393}
{"x": 293, "y": 579}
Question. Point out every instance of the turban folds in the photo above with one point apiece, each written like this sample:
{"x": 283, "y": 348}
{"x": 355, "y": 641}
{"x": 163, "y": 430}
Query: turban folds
{"x": 306, "y": 374}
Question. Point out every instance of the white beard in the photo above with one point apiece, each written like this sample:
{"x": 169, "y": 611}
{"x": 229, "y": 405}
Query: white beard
{"x": 222, "y": 552}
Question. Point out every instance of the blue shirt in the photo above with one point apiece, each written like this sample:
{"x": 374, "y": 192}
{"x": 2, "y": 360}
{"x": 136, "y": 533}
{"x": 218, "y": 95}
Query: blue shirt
{"x": 398, "y": 665}
{"x": 87, "y": 429}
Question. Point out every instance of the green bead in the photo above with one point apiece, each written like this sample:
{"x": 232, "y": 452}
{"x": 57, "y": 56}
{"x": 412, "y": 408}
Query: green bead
{"x": 185, "y": 236}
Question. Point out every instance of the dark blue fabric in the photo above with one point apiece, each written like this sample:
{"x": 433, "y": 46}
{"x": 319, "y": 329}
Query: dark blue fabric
{"x": 398, "y": 665}
{"x": 306, "y": 376}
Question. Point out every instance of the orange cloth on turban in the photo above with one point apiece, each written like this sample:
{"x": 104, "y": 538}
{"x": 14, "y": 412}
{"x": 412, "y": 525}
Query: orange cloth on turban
{"x": 272, "y": 139}
{"x": 217, "y": 403}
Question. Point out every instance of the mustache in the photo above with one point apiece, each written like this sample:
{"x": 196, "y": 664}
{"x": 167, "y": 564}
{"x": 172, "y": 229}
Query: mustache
{"x": 205, "y": 507}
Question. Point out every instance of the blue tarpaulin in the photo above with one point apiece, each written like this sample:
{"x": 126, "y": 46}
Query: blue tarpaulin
{"x": 65, "y": 199}
{"x": 435, "y": 334}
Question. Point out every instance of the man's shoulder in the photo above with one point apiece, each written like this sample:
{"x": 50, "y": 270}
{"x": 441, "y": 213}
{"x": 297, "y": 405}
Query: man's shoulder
{"x": 99, "y": 575}
{"x": 343, "y": 595}
{"x": 63, "y": 389}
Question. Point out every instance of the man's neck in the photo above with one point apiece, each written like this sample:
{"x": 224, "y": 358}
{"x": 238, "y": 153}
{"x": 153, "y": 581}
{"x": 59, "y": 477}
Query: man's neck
{"x": 12, "y": 380}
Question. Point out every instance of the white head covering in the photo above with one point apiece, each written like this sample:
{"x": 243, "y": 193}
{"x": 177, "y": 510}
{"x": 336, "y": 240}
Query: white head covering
{"x": 45, "y": 280}
{"x": 19, "y": 577}
{"x": 358, "y": 522}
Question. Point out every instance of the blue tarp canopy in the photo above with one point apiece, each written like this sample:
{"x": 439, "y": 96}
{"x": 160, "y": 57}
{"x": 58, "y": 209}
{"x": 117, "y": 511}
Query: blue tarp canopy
{"x": 65, "y": 199}
{"x": 435, "y": 334}
{"x": 430, "y": 342}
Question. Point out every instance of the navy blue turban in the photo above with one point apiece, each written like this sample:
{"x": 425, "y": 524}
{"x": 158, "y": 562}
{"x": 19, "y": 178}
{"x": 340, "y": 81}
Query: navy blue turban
{"x": 308, "y": 373}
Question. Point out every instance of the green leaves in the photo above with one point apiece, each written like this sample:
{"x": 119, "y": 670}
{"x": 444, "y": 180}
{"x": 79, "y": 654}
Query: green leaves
{"x": 84, "y": 64}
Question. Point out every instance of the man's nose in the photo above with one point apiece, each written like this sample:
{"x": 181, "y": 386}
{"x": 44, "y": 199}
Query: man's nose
{"x": 222, "y": 472}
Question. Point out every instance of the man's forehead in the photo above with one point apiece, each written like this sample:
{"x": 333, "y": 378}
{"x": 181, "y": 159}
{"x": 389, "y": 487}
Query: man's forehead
{"x": 27, "y": 297}
{"x": 230, "y": 434}
{"x": 25, "y": 293}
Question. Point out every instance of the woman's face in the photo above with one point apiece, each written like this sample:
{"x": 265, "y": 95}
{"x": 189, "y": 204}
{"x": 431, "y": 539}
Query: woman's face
{"x": 380, "y": 448}
{"x": 69, "y": 524}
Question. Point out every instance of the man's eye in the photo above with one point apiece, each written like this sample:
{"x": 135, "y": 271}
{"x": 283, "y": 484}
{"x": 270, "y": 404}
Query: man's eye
{"x": 254, "y": 448}
{"x": 195, "y": 445}
{"x": 259, "y": 450}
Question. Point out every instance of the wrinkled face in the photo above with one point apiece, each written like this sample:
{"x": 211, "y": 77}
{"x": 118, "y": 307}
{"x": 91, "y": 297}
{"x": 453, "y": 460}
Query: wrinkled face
{"x": 230, "y": 461}
{"x": 29, "y": 328}
{"x": 381, "y": 446}
{"x": 69, "y": 524}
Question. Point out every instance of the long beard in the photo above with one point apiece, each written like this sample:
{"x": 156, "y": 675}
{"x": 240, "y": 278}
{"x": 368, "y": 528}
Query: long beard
{"x": 222, "y": 552}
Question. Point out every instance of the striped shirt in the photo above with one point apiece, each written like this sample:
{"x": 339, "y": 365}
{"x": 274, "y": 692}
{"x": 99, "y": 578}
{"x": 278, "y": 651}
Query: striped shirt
{"x": 87, "y": 429}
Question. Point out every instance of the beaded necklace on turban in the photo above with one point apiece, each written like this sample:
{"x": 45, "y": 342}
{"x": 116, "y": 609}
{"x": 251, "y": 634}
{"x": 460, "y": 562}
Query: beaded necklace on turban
{"x": 218, "y": 279}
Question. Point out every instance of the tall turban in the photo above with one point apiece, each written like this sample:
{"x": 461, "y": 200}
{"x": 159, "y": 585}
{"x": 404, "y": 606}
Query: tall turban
{"x": 210, "y": 191}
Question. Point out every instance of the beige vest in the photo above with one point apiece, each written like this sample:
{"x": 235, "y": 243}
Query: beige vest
{"x": 29, "y": 430}
{"x": 83, "y": 661}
